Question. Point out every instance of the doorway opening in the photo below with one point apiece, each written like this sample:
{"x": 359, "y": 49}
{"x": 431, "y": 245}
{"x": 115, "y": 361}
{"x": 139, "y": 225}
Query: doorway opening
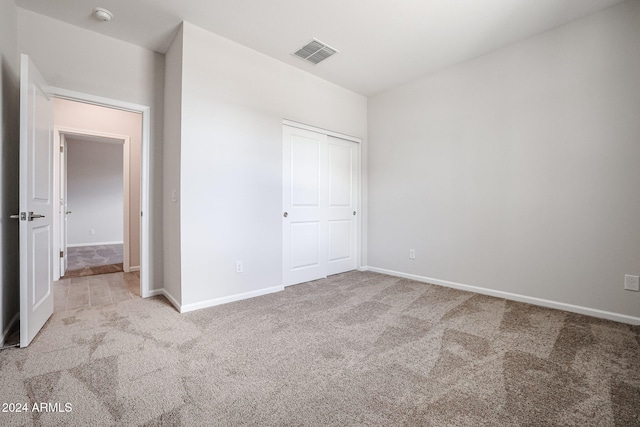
{"x": 100, "y": 214}
{"x": 95, "y": 187}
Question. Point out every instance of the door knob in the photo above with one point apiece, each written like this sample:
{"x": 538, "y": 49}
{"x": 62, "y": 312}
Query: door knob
{"x": 354, "y": 212}
{"x": 285, "y": 214}
{"x": 33, "y": 216}
{"x": 22, "y": 216}
{"x": 68, "y": 212}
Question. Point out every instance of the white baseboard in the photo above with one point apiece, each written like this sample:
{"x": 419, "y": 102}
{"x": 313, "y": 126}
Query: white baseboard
{"x": 174, "y": 302}
{"x": 80, "y": 245}
{"x": 132, "y": 269}
{"x": 154, "y": 293}
{"x": 212, "y": 302}
{"x": 231, "y": 298}
{"x": 623, "y": 318}
{"x": 166, "y": 294}
{"x": 6, "y": 330}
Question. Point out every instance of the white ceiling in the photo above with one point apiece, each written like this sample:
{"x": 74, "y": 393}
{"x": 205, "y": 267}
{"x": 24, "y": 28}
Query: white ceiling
{"x": 382, "y": 43}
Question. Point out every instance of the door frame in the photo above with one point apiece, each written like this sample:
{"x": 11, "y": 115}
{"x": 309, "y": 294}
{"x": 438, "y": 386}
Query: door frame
{"x": 60, "y": 132}
{"x": 145, "y": 230}
{"x": 361, "y": 213}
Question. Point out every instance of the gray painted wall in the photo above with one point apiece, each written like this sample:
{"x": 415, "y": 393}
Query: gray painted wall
{"x": 518, "y": 171}
{"x": 230, "y": 176}
{"x": 171, "y": 175}
{"x": 9, "y": 165}
{"x": 94, "y": 192}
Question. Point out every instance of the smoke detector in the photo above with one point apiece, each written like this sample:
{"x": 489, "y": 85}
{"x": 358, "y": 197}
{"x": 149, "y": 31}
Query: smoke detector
{"x": 315, "y": 51}
{"x": 103, "y": 14}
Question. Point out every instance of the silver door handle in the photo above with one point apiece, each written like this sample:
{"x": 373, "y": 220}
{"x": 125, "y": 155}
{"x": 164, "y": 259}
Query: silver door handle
{"x": 33, "y": 216}
{"x": 18, "y": 216}
{"x": 68, "y": 212}
{"x": 285, "y": 214}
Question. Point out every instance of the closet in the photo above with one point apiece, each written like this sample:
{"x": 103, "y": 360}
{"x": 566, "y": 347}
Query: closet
{"x": 320, "y": 189}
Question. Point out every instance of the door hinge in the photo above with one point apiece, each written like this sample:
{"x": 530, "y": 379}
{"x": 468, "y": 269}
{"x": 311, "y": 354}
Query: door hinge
{"x": 62, "y": 148}
{"x": 61, "y": 254}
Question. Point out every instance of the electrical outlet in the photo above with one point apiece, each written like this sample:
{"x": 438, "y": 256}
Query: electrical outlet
{"x": 632, "y": 283}
{"x": 239, "y": 267}
{"x": 92, "y": 232}
{"x": 412, "y": 254}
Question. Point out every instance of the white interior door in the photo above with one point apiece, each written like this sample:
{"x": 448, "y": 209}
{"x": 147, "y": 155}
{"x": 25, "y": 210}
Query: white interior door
{"x": 304, "y": 199}
{"x": 342, "y": 206}
{"x": 320, "y": 199}
{"x": 36, "y": 202}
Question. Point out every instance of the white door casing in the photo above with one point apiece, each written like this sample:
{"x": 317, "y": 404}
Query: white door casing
{"x": 60, "y": 189}
{"x": 63, "y": 210}
{"x": 36, "y": 202}
{"x": 320, "y": 187}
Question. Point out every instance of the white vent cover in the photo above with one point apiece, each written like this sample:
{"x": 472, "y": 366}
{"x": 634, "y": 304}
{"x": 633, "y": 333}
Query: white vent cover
{"x": 315, "y": 52}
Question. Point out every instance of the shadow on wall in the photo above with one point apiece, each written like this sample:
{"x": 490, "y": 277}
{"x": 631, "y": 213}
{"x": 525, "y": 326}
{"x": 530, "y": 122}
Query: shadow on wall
{"x": 9, "y": 193}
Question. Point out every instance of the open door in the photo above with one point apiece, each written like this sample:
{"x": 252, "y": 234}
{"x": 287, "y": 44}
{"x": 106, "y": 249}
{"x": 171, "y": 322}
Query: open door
{"x": 36, "y": 202}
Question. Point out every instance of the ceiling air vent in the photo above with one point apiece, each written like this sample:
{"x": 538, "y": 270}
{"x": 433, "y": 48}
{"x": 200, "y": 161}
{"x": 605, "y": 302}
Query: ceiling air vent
{"x": 315, "y": 52}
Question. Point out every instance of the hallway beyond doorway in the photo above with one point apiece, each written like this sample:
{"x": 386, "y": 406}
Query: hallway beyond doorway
{"x": 92, "y": 260}
{"x": 95, "y": 291}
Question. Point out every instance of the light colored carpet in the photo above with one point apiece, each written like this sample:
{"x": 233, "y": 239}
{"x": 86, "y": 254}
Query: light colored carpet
{"x": 354, "y": 349}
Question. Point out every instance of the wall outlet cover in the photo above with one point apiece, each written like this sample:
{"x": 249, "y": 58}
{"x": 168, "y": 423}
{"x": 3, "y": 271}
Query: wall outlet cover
{"x": 632, "y": 283}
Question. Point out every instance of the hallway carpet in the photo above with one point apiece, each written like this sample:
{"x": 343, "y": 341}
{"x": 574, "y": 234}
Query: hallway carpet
{"x": 355, "y": 349}
{"x": 93, "y": 260}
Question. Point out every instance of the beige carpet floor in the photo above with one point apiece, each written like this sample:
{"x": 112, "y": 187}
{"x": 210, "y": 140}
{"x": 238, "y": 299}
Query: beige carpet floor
{"x": 354, "y": 349}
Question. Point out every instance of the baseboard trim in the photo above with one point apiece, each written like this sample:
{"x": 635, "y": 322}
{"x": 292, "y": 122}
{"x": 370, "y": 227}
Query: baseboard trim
{"x": 231, "y": 298}
{"x": 132, "y": 269}
{"x": 154, "y": 293}
{"x": 623, "y": 318}
{"x": 6, "y": 330}
{"x": 81, "y": 245}
{"x": 174, "y": 302}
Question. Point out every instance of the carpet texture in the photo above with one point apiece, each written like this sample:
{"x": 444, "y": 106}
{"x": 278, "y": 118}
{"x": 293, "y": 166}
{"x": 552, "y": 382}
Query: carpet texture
{"x": 94, "y": 260}
{"x": 353, "y": 349}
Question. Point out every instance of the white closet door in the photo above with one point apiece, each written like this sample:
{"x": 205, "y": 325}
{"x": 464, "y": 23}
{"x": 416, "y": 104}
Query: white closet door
{"x": 319, "y": 205}
{"x": 342, "y": 205}
{"x": 305, "y": 201}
